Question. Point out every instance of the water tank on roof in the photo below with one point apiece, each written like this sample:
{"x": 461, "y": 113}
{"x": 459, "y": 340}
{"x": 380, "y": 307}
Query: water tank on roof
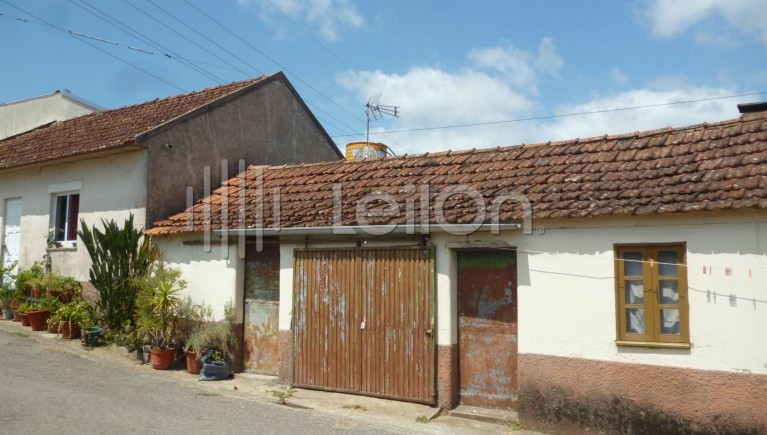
{"x": 365, "y": 150}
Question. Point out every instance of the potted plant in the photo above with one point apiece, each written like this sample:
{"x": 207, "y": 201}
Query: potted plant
{"x": 158, "y": 303}
{"x": 190, "y": 317}
{"x": 24, "y": 308}
{"x": 69, "y": 289}
{"x": 10, "y": 299}
{"x": 29, "y": 278}
{"x": 7, "y": 290}
{"x": 65, "y": 288}
{"x": 39, "y": 311}
{"x": 72, "y": 317}
{"x": 213, "y": 344}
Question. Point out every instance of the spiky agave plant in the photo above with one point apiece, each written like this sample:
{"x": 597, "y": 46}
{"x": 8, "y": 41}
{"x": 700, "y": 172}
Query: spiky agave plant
{"x": 119, "y": 256}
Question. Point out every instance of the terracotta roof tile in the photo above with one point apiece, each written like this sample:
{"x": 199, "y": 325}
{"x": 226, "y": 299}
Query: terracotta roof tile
{"x": 101, "y": 131}
{"x": 705, "y": 167}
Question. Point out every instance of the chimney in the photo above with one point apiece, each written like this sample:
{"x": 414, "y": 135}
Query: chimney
{"x": 752, "y": 107}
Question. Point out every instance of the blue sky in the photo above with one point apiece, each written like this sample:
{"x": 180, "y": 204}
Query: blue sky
{"x": 444, "y": 63}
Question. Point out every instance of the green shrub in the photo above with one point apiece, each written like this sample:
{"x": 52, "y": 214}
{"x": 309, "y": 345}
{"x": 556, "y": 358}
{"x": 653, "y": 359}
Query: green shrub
{"x": 28, "y": 278}
{"x": 120, "y": 256}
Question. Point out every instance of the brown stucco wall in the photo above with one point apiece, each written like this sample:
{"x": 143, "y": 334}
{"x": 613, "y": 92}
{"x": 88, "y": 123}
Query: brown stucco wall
{"x": 266, "y": 126}
{"x": 237, "y": 365}
{"x": 578, "y": 395}
{"x": 286, "y": 356}
{"x": 447, "y": 376}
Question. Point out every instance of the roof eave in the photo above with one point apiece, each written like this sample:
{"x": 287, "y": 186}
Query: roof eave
{"x": 372, "y": 230}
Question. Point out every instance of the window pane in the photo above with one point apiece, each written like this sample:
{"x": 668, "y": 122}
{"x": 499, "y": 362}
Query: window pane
{"x": 634, "y": 291}
{"x": 669, "y": 291}
{"x": 74, "y": 205}
{"x": 668, "y": 262}
{"x": 669, "y": 323}
{"x": 635, "y": 320}
{"x": 632, "y": 264}
{"x": 61, "y": 218}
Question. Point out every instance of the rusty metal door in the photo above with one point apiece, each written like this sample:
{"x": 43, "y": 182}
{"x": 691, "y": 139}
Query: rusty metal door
{"x": 363, "y": 321}
{"x": 261, "y": 353}
{"x": 487, "y": 307}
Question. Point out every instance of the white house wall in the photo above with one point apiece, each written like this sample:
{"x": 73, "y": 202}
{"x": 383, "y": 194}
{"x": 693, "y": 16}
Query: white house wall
{"x": 20, "y": 116}
{"x": 566, "y": 289}
{"x": 568, "y": 360}
{"x": 112, "y": 187}
{"x": 213, "y": 277}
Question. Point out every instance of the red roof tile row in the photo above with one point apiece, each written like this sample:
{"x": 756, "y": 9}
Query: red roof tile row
{"x": 721, "y": 166}
{"x": 106, "y": 130}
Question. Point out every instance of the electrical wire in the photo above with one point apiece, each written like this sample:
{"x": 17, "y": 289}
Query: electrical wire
{"x": 103, "y": 16}
{"x": 147, "y": 14}
{"x": 592, "y": 112}
{"x": 334, "y": 55}
{"x": 96, "y": 47}
{"x": 309, "y": 34}
{"x": 279, "y": 65}
{"x": 205, "y": 37}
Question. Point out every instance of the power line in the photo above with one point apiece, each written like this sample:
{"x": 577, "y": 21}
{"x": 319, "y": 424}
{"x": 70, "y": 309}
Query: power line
{"x": 329, "y": 51}
{"x": 317, "y": 41}
{"x": 96, "y": 47}
{"x": 282, "y": 67}
{"x": 103, "y": 16}
{"x": 186, "y": 37}
{"x": 227, "y": 29}
{"x": 206, "y": 38}
{"x": 592, "y": 112}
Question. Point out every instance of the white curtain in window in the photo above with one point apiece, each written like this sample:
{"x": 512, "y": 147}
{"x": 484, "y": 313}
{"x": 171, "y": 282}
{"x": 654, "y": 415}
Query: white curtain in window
{"x": 670, "y": 322}
{"x": 636, "y": 321}
{"x": 636, "y": 292}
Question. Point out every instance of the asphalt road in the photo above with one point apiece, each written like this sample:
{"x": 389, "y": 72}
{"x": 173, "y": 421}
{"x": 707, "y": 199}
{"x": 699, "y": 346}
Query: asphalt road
{"x": 43, "y": 390}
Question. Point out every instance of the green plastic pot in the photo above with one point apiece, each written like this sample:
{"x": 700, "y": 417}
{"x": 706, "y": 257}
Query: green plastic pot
{"x": 92, "y": 335}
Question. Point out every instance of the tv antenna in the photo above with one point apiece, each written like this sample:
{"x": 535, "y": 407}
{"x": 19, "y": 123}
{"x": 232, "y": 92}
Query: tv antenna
{"x": 377, "y": 111}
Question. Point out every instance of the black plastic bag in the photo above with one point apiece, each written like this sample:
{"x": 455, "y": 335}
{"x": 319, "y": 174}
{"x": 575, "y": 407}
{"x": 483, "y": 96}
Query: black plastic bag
{"x": 214, "y": 370}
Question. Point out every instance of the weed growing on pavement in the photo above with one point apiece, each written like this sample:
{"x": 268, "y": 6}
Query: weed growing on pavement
{"x": 515, "y": 425}
{"x": 422, "y": 419}
{"x": 20, "y": 334}
{"x": 283, "y": 396}
{"x": 355, "y": 406}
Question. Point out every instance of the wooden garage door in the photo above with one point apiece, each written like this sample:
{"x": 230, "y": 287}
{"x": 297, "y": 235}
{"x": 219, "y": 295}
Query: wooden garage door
{"x": 363, "y": 321}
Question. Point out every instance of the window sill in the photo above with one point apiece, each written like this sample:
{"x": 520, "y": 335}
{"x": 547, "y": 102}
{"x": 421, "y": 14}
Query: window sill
{"x": 62, "y": 249}
{"x": 653, "y": 344}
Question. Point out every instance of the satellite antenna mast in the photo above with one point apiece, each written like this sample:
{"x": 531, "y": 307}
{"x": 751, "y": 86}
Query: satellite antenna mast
{"x": 377, "y": 111}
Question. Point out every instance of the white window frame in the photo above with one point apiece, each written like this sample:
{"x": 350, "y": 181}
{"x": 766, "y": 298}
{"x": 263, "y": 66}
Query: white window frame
{"x": 65, "y": 190}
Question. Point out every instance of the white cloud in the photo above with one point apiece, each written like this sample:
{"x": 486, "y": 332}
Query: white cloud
{"x": 719, "y": 39}
{"x": 627, "y": 121}
{"x": 520, "y": 68}
{"x": 618, "y": 76}
{"x": 549, "y": 60}
{"x": 433, "y": 97}
{"x": 324, "y": 16}
{"x": 671, "y": 17}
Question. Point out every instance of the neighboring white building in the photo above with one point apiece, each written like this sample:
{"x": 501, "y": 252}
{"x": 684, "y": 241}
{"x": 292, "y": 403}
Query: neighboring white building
{"x": 142, "y": 159}
{"x": 20, "y": 116}
{"x": 634, "y": 302}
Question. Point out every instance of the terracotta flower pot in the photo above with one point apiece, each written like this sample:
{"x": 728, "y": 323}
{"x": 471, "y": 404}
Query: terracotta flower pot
{"x": 193, "y": 365}
{"x": 24, "y": 319}
{"x": 161, "y": 359}
{"x": 16, "y": 316}
{"x": 69, "y": 330}
{"x": 65, "y": 297}
{"x": 53, "y": 327}
{"x": 37, "y": 319}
